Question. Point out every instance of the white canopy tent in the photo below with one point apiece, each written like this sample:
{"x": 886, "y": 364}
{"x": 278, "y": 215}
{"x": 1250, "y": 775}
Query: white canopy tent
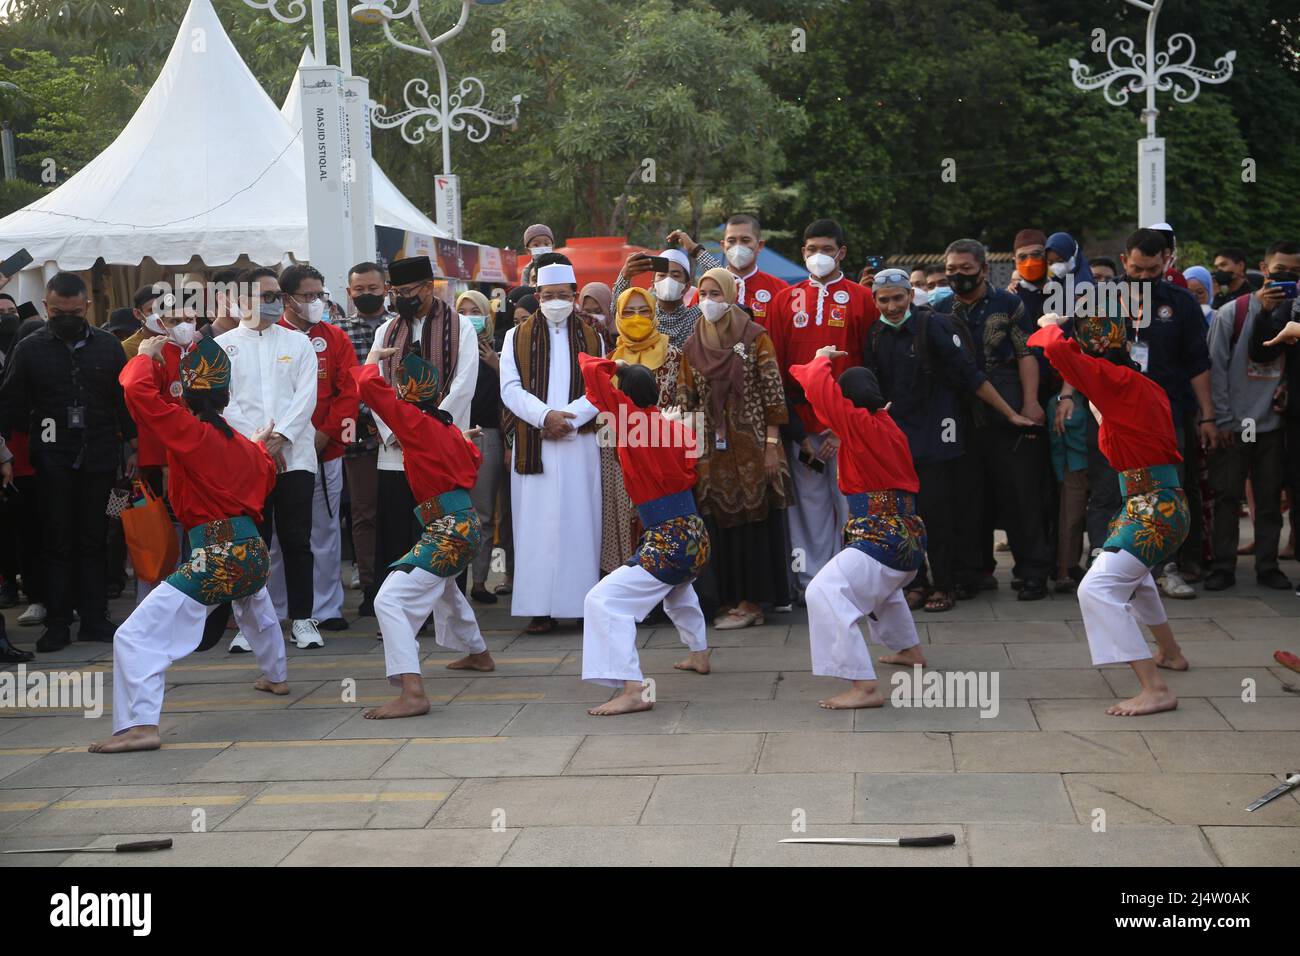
{"x": 207, "y": 167}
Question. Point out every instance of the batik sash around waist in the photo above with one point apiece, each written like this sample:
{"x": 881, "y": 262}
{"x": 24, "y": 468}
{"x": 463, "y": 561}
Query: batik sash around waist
{"x": 867, "y": 503}
{"x": 447, "y": 503}
{"x": 663, "y": 509}
{"x": 228, "y": 561}
{"x": 222, "y": 531}
{"x": 1140, "y": 481}
{"x": 451, "y": 538}
{"x": 884, "y": 525}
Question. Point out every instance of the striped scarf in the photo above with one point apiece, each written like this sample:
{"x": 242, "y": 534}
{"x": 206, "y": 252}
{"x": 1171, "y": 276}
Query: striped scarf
{"x": 533, "y": 357}
{"x": 437, "y": 351}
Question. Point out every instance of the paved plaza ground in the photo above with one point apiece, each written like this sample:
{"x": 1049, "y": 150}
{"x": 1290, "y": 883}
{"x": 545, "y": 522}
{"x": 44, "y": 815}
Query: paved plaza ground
{"x": 508, "y": 769}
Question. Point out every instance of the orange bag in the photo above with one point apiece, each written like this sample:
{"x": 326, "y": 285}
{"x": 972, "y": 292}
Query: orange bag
{"x": 150, "y": 538}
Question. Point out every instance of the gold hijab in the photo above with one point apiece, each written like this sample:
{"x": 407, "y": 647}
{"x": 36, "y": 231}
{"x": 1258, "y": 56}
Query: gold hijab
{"x": 639, "y": 340}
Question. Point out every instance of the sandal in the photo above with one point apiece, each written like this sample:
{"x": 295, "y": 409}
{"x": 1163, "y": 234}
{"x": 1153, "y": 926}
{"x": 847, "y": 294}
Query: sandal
{"x": 502, "y": 588}
{"x": 915, "y": 597}
{"x": 939, "y": 601}
{"x": 541, "y": 625}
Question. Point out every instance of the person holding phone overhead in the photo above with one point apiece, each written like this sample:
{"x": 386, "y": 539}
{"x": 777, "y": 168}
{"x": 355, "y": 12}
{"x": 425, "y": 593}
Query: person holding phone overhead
{"x": 672, "y": 280}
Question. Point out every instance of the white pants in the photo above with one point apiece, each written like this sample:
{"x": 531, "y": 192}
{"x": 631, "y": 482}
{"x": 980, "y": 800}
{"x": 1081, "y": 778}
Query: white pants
{"x": 167, "y": 626}
{"x": 851, "y": 586}
{"x": 610, "y": 613}
{"x": 818, "y": 516}
{"x": 404, "y": 602}
{"x": 326, "y": 550}
{"x": 1116, "y": 595}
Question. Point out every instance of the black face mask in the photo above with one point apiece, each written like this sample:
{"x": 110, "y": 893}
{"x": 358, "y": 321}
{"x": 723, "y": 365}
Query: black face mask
{"x": 1283, "y": 275}
{"x": 9, "y": 323}
{"x": 964, "y": 284}
{"x": 368, "y": 303}
{"x": 68, "y": 327}
{"x": 1224, "y": 278}
{"x": 407, "y": 306}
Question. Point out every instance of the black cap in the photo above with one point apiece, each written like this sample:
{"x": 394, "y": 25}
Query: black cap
{"x": 122, "y": 321}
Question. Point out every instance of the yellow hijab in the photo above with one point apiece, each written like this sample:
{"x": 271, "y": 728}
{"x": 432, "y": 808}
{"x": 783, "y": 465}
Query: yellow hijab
{"x": 639, "y": 340}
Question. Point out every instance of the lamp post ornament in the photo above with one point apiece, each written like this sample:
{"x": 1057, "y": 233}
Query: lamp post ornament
{"x": 1149, "y": 72}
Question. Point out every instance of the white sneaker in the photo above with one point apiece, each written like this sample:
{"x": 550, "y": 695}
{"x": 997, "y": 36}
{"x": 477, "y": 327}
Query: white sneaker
{"x": 1172, "y": 585}
{"x": 305, "y": 634}
{"x": 355, "y": 583}
{"x": 35, "y": 614}
{"x": 239, "y": 645}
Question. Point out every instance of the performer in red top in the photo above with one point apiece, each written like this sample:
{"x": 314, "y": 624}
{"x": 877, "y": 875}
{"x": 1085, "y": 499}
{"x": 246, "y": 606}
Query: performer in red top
{"x": 658, "y": 459}
{"x": 217, "y": 483}
{"x": 1137, "y": 438}
{"x": 827, "y": 308}
{"x": 884, "y": 538}
{"x": 441, "y": 465}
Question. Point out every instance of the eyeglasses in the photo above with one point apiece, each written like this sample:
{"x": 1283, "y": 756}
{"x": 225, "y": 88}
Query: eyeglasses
{"x": 308, "y": 297}
{"x": 272, "y": 297}
{"x": 410, "y": 290}
{"x": 1025, "y": 256}
{"x": 640, "y": 310}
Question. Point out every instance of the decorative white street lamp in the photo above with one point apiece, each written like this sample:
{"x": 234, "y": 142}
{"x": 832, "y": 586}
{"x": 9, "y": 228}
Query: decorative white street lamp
{"x": 442, "y": 112}
{"x": 1148, "y": 72}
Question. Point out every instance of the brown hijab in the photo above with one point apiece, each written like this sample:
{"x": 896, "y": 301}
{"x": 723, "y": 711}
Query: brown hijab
{"x": 711, "y": 349}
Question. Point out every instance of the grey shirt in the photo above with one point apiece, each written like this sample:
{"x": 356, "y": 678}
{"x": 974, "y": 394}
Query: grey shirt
{"x": 1241, "y": 388}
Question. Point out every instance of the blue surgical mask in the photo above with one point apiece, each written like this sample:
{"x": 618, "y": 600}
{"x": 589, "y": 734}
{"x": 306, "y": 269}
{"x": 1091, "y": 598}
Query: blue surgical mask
{"x": 272, "y": 311}
{"x": 940, "y": 294}
{"x": 479, "y": 322}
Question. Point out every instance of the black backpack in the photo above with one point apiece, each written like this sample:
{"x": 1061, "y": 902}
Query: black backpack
{"x": 921, "y": 330}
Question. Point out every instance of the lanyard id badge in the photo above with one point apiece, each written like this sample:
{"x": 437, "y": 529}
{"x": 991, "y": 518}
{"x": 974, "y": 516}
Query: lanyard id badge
{"x": 76, "y": 416}
{"x": 719, "y": 441}
{"x": 1140, "y": 353}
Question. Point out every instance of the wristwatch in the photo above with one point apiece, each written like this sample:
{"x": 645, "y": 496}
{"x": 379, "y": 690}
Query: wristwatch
{"x": 773, "y": 441}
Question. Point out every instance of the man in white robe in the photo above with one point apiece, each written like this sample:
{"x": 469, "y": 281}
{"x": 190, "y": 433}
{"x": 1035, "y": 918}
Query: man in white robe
{"x": 555, "y": 473}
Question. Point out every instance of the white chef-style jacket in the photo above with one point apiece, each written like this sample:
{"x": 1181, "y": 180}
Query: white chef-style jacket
{"x": 459, "y": 396}
{"x": 273, "y": 379}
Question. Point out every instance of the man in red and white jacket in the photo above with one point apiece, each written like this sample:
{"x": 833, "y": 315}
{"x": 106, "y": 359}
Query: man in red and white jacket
{"x": 827, "y": 308}
{"x": 335, "y": 420}
{"x": 742, "y": 241}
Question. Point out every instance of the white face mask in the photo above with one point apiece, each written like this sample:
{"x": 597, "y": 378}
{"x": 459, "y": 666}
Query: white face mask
{"x": 669, "y": 289}
{"x": 557, "y": 310}
{"x": 539, "y": 251}
{"x": 740, "y": 256}
{"x": 154, "y": 324}
{"x": 714, "y": 309}
{"x": 920, "y": 297}
{"x": 1058, "y": 269}
{"x": 819, "y": 264}
{"x": 182, "y": 333}
{"x": 315, "y": 311}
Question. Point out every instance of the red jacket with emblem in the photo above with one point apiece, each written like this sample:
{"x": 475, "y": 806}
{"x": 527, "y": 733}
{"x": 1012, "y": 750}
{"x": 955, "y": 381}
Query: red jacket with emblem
{"x": 337, "y": 401}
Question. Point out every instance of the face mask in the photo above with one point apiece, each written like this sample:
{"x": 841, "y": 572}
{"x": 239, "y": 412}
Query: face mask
{"x": 268, "y": 312}
{"x": 182, "y": 333}
{"x": 479, "y": 322}
{"x": 920, "y": 297}
{"x": 740, "y": 256}
{"x": 154, "y": 324}
{"x": 407, "y": 306}
{"x": 669, "y": 289}
{"x": 539, "y": 251}
{"x": 1032, "y": 270}
{"x": 891, "y": 323}
{"x": 963, "y": 283}
{"x": 1224, "y": 278}
{"x": 714, "y": 309}
{"x": 8, "y": 326}
{"x": 557, "y": 310}
{"x": 1283, "y": 275}
{"x": 315, "y": 311}
{"x": 368, "y": 303}
{"x": 819, "y": 264}
{"x": 939, "y": 294}
{"x": 636, "y": 328}
{"x": 1058, "y": 269}
{"x": 68, "y": 327}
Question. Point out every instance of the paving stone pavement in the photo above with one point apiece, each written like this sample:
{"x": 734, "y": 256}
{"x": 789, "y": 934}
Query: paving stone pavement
{"x": 508, "y": 769}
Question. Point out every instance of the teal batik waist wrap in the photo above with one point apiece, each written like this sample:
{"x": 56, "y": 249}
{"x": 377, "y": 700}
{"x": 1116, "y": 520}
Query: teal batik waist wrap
{"x": 675, "y": 545}
{"x": 451, "y": 538}
{"x": 885, "y": 526}
{"x": 228, "y": 561}
{"x": 1152, "y": 522}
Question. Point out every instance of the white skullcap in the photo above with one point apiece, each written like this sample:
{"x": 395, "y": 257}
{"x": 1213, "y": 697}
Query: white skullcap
{"x": 680, "y": 258}
{"x": 557, "y": 273}
{"x": 891, "y": 277}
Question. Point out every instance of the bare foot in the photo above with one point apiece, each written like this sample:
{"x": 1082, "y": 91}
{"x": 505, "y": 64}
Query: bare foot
{"x": 406, "y": 705}
{"x": 1147, "y": 702}
{"x": 137, "y": 738}
{"x": 912, "y": 656}
{"x": 625, "y": 702}
{"x": 854, "y": 698}
{"x": 698, "y": 661}
{"x": 279, "y": 688}
{"x": 474, "y": 662}
{"x": 1173, "y": 662}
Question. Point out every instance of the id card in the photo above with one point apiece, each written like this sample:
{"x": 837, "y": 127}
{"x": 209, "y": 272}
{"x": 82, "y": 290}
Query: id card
{"x": 76, "y": 416}
{"x": 719, "y": 441}
{"x": 1140, "y": 353}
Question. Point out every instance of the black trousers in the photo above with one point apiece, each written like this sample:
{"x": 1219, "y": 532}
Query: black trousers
{"x": 396, "y": 527}
{"x": 1292, "y": 465}
{"x": 940, "y": 499}
{"x": 31, "y": 537}
{"x": 288, "y": 509}
{"x": 75, "y": 542}
{"x": 1003, "y": 489}
{"x": 748, "y": 562}
{"x": 1262, "y": 461}
{"x": 1104, "y": 499}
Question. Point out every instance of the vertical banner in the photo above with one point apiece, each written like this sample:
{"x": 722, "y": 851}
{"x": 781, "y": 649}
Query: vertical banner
{"x": 329, "y": 223}
{"x": 356, "y": 108}
{"x": 1151, "y": 180}
{"x": 447, "y": 203}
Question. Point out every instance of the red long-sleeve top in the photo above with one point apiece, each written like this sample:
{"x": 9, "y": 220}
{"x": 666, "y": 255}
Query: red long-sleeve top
{"x": 151, "y": 452}
{"x": 337, "y": 403}
{"x": 438, "y": 458}
{"x": 1137, "y": 429}
{"x": 209, "y": 476}
{"x": 656, "y": 465}
{"x": 874, "y": 454}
